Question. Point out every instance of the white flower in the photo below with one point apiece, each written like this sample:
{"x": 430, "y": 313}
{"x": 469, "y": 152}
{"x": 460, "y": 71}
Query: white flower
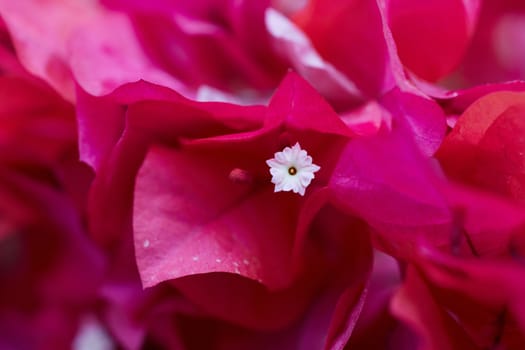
{"x": 292, "y": 169}
{"x": 92, "y": 335}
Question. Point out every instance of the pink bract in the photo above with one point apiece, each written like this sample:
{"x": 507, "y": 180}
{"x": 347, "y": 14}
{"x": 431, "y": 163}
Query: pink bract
{"x": 54, "y": 46}
{"x": 192, "y": 218}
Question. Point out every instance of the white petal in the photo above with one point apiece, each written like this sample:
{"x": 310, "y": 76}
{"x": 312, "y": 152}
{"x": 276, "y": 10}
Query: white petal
{"x": 281, "y": 164}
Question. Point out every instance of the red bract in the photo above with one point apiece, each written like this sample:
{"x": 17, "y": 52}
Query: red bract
{"x": 44, "y": 290}
{"x": 36, "y": 125}
{"x": 38, "y": 134}
{"x": 293, "y": 45}
{"x": 427, "y": 47}
{"x": 485, "y": 148}
{"x": 49, "y": 271}
{"x": 463, "y": 303}
{"x": 464, "y": 294}
{"x": 337, "y": 30}
{"x": 363, "y": 38}
{"x": 58, "y": 290}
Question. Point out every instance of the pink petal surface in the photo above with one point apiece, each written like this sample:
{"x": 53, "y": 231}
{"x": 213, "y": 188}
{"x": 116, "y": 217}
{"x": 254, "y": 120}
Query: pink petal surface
{"x": 317, "y": 115}
{"x": 116, "y": 57}
{"x": 180, "y": 37}
{"x": 368, "y": 119}
{"x": 47, "y": 56}
{"x": 422, "y": 116}
{"x": 143, "y": 122}
{"x": 334, "y": 311}
{"x": 102, "y": 120}
{"x": 227, "y": 213}
{"x": 53, "y": 46}
{"x": 100, "y": 124}
{"x": 386, "y": 180}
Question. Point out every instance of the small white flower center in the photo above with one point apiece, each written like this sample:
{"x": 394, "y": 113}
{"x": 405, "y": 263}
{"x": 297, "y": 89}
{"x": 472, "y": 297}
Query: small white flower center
{"x": 292, "y": 169}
